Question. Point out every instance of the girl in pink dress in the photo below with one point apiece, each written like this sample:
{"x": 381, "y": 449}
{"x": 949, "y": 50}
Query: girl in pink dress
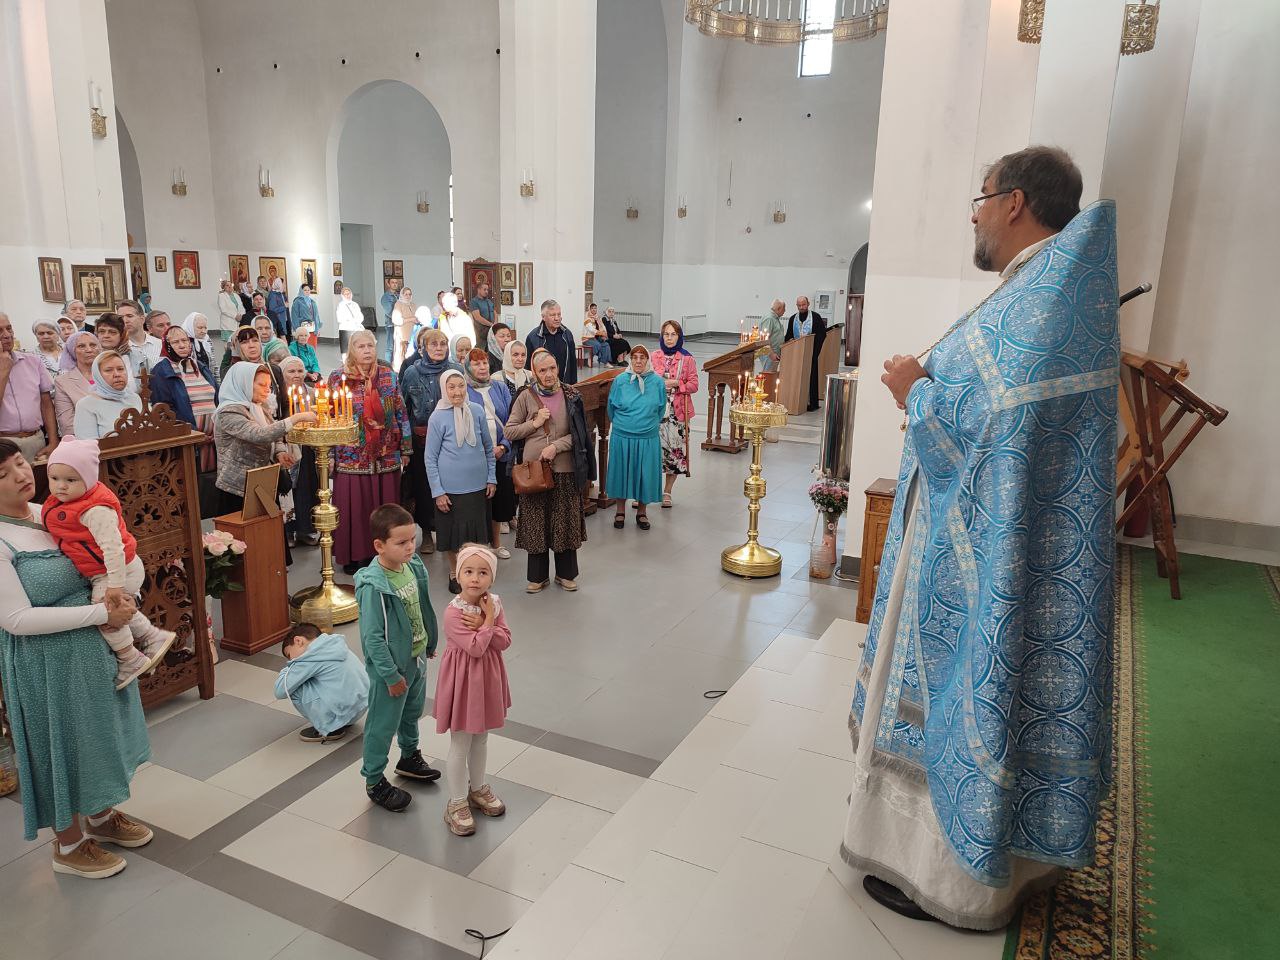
{"x": 472, "y": 694}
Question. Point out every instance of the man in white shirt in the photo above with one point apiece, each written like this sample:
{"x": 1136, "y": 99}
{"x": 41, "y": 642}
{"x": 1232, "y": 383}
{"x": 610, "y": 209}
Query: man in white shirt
{"x": 141, "y": 343}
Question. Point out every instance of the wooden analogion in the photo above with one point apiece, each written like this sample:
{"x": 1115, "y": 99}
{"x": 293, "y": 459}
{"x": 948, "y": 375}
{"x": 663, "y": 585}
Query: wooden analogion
{"x": 595, "y": 404}
{"x": 875, "y": 527}
{"x": 725, "y": 376}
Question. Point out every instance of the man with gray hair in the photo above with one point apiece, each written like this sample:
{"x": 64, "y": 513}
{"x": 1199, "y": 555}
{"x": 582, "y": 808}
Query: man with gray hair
{"x": 552, "y": 335}
{"x": 26, "y": 398}
{"x": 981, "y": 722}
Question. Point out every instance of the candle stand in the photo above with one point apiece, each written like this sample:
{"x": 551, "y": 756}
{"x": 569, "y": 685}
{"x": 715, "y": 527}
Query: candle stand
{"x": 754, "y": 414}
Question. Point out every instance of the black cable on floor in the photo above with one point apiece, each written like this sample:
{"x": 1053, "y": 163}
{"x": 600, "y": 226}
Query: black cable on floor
{"x": 484, "y": 941}
{"x": 714, "y": 694}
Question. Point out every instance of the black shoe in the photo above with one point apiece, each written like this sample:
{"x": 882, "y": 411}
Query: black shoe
{"x": 454, "y": 586}
{"x": 415, "y": 767}
{"x": 350, "y": 569}
{"x": 311, "y": 735}
{"x": 388, "y": 797}
{"x": 887, "y": 895}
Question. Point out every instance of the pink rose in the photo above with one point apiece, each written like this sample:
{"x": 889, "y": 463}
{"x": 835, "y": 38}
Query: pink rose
{"x": 217, "y": 549}
{"x": 238, "y": 547}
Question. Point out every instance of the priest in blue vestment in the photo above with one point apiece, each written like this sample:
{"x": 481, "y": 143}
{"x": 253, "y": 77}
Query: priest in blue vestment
{"x": 981, "y": 720}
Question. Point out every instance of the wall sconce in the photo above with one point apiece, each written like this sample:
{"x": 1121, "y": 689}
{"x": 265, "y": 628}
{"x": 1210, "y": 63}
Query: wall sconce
{"x": 632, "y": 212}
{"x": 779, "y": 213}
{"x": 682, "y": 210}
{"x": 526, "y": 182}
{"x": 97, "y": 119}
{"x": 178, "y": 185}
{"x": 265, "y": 189}
{"x": 424, "y": 205}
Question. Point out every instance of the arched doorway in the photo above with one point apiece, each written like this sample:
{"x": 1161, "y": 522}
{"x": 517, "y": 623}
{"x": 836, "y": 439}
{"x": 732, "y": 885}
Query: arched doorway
{"x": 853, "y": 307}
{"x": 135, "y": 216}
{"x": 390, "y": 153}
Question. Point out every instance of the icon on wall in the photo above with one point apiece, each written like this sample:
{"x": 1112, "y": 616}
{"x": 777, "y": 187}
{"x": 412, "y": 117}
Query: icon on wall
{"x": 337, "y": 286}
{"x": 507, "y": 297}
{"x": 506, "y": 276}
{"x": 337, "y": 269}
{"x": 476, "y": 272}
{"x": 238, "y": 269}
{"x": 526, "y": 283}
{"x": 589, "y": 281}
{"x": 273, "y": 268}
{"x": 92, "y": 284}
{"x": 138, "y": 273}
{"x": 162, "y": 265}
{"x": 52, "y": 289}
{"x": 186, "y": 270}
{"x": 393, "y": 269}
{"x": 309, "y": 273}
{"x": 119, "y": 281}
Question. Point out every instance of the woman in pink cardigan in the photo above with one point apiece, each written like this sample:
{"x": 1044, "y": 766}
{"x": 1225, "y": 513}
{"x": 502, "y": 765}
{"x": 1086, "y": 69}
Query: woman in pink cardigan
{"x": 679, "y": 371}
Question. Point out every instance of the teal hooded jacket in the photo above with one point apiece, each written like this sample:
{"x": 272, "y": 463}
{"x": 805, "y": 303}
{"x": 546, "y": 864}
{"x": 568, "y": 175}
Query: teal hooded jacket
{"x": 385, "y": 632}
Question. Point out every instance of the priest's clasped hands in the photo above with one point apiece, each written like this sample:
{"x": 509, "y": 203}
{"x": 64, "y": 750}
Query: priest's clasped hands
{"x": 900, "y": 372}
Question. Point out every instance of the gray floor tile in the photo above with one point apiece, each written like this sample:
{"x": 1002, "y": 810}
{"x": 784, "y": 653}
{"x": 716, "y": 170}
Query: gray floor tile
{"x": 58, "y": 912}
{"x": 598, "y": 754}
{"x": 719, "y": 630}
{"x": 774, "y": 606}
{"x": 638, "y": 718}
{"x": 312, "y": 946}
{"x": 12, "y": 846}
{"x": 188, "y": 918}
{"x": 216, "y": 733}
{"x": 419, "y": 831}
{"x": 541, "y": 694}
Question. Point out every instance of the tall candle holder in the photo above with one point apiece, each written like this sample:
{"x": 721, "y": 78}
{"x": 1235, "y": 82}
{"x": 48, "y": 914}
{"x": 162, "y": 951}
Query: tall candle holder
{"x": 327, "y": 604}
{"x": 754, "y": 414}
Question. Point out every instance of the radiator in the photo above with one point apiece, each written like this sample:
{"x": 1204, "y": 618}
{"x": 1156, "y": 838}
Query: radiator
{"x": 633, "y": 322}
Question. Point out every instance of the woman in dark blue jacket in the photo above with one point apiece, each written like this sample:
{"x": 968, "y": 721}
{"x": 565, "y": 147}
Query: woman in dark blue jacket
{"x": 186, "y": 385}
{"x": 278, "y": 310}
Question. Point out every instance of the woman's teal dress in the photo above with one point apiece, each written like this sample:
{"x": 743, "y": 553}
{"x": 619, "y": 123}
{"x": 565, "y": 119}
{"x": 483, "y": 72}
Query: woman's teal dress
{"x": 635, "y": 452}
{"x": 77, "y": 739}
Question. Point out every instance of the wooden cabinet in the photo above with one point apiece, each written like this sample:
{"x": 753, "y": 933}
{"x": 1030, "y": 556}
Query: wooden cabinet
{"x": 256, "y": 617}
{"x": 875, "y": 528}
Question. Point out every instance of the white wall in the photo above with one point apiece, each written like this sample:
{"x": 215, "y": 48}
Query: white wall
{"x": 1215, "y": 306}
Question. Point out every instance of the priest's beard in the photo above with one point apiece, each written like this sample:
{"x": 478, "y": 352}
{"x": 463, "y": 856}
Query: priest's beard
{"x": 982, "y": 250}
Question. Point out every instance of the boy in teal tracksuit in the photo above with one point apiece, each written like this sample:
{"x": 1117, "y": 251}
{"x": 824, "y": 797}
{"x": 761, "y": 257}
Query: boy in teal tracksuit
{"x": 398, "y": 635}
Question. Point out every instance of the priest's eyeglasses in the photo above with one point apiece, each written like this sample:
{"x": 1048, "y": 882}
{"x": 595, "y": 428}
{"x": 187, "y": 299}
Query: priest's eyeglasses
{"x": 976, "y": 203}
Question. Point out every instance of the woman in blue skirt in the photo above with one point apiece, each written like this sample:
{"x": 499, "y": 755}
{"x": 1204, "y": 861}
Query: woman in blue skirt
{"x": 636, "y": 402}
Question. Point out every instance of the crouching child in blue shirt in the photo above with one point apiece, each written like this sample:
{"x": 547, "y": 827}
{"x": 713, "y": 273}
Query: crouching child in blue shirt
{"x": 325, "y": 680}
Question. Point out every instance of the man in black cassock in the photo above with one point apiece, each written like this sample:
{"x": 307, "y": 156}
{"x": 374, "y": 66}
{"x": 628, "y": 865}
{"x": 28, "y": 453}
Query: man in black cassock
{"x": 800, "y": 323}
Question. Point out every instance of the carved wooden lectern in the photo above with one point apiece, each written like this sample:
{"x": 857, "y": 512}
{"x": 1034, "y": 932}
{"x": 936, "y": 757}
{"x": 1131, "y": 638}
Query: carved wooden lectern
{"x": 724, "y": 376}
{"x": 595, "y": 404}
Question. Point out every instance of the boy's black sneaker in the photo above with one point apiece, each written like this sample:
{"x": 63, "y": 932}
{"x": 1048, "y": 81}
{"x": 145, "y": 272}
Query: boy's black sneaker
{"x": 312, "y": 735}
{"x": 388, "y": 797}
{"x": 415, "y": 767}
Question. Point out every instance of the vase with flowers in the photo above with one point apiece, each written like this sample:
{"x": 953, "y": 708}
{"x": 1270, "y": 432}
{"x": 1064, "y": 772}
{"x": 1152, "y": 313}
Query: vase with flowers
{"x": 222, "y": 552}
{"x": 831, "y": 497}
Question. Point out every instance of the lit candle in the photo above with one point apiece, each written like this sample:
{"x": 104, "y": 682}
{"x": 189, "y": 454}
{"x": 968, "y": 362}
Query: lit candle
{"x": 350, "y": 406}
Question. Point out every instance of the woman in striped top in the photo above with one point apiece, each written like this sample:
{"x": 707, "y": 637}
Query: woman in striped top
{"x": 186, "y": 385}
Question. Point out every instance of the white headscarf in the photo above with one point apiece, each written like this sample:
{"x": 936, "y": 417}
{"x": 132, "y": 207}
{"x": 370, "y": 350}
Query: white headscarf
{"x": 277, "y": 285}
{"x": 517, "y": 378}
{"x": 464, "y": 421}
{"x": 189, "y": 328}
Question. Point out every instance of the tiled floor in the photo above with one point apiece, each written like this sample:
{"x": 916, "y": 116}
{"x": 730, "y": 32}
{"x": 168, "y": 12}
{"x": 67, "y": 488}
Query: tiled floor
{"x": 645, "y": 820}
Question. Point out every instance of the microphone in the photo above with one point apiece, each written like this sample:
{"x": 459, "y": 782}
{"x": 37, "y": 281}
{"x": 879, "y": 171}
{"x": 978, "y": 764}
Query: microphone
{"x": 1137, "y": 291}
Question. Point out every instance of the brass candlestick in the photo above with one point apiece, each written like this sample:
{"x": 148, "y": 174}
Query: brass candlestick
{"x": 327, "y": 604}
{"x": 754, "y": 415}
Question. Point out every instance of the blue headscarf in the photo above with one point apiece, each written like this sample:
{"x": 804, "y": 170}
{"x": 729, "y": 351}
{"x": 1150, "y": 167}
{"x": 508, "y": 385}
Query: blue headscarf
{"x": 105, "y": 390}
{"x": 679, "y": 347}
{"x": 68, "y": 359}
{"x": 236, "y": 389}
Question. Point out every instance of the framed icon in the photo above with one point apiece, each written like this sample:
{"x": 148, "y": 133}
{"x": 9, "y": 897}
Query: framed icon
{"x": 476, "y": 272}
{"x": 186, "y": 270}
{"x": 337, "y": 269}
{"x": 506, "y": 276}
{"x": 393, "y": 269}
{"x": 589, "y": 281}
{"x": 52, "y": 287}
{"x": 526, "y": 283}
{"x": 587, "y": 301}
{"x": 162, "y": 264}
{"x": 337, "y": 286}
{"x": 309, "y": 273}
{"x": 138, "y": 273}
{"x": 92, "y": 284}
{"x": 238, "y": 269}
{"x": 507, "y": 298}
{"x": 119, "y": 280}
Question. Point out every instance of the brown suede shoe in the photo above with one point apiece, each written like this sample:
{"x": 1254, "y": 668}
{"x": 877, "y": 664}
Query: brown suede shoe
{"x": 87, "y": 860}
{"x": 119, "y": 830}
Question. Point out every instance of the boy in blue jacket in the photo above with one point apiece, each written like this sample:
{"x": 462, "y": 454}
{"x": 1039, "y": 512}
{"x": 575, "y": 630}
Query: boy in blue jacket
{"x": 398, "y": 634}
{"x": 325, "y": 680}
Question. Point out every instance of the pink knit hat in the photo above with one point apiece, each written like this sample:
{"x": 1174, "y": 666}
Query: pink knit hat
{"x": 81, "y": 456}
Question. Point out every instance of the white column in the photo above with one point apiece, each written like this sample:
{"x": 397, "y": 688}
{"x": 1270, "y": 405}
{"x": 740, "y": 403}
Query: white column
{"x": 548, "y": 131}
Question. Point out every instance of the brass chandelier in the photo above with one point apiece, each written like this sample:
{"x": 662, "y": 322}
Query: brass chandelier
{"x": 781, "y": 22}
{"x": 1138, "y": 34}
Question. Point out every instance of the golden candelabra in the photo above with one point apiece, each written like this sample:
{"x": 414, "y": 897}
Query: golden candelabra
{"x": 327, "y": 604}
{"x": 754, "y": 414}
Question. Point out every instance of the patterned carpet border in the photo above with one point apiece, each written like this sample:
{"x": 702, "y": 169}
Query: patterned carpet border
{"x": 1104, "y": 911}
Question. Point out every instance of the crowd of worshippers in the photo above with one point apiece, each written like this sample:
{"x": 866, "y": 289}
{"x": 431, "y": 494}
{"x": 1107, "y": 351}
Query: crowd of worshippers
{"x": 452, "y": 410}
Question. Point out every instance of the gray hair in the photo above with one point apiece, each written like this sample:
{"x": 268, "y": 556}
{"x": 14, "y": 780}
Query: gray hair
{"x": 70, "y": 302}
{"x": 548, "y": 304}
{"x": 1048, "y": 178}
{"x": 52, "y": 325}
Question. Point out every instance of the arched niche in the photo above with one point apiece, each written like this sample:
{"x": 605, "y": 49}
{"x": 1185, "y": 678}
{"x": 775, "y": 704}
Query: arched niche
{"x": 386, "y": 146}
{"x": 135, "y": 217}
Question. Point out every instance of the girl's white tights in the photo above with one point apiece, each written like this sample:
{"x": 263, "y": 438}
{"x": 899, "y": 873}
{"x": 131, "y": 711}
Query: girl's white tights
{"x": 468, "y": 754}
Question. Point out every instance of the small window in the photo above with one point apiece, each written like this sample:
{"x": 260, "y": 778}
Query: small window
{"x": 815, "y": 49}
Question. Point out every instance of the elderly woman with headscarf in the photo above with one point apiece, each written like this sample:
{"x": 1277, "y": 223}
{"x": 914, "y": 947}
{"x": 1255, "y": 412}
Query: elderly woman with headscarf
{"x": 304, "y": 351}
{"x": 461, "y": 469}
{"x": 75, "y": 379}
{"x": 48, "y": 345}
{"x": 278, "y": 308}
{"x": 368, "y": 472}
{"x": 246, "y": 437}
{"x": 305, "y": 310}
{"x": 679, "y": 372}
{"x": 403, "y": 317}
{"x": 113, "y": 394}
{"x": 515, "y": 375}
{"x": 499, "y": 336}
{"x": 494, "y": 399}
{"x": 549, "y": 420}
{"x": 303, "y": 475}
{"x": 460, "y": 348}
{"x": 186, "y": 384}
{"x": 196, "y": 327}
{"x": 420, "y": 388}
{"x": 636, "y": 402}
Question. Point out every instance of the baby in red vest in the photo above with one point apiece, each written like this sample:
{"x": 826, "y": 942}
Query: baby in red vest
{"x": 84, "y": 517}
